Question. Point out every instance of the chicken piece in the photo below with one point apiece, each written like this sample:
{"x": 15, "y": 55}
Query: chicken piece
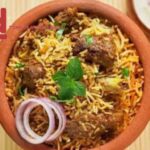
{"x": 32, "y": 71}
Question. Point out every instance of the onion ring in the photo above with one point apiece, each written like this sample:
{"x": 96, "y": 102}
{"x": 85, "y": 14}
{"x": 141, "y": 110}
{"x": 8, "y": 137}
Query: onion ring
{"x": 22, "y": 120}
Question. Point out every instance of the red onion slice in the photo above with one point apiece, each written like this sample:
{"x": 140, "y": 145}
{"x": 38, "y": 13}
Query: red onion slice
{"x": 22, "y": 120}
{"x": 21, "y": 127}
{"x": 61, "y": 117}
{"x": 26, "y": 120}
{"x": 58, "y": 111}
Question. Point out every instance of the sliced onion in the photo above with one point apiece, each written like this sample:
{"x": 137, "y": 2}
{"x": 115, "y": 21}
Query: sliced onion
{"x": 62, "y": 119}
{"x": 27, "y": 127}
{"x": 22, "y": 120}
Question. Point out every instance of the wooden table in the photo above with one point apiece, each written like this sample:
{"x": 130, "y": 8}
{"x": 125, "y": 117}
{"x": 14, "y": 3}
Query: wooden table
{"x": 16, "y": 8}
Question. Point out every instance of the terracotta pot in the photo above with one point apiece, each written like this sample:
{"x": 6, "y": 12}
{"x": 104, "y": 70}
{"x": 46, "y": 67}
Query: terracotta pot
{"x": 127, "y": 25}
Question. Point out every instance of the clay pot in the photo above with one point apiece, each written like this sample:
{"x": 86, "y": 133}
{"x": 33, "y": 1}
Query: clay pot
{"x": 127, "y": 25}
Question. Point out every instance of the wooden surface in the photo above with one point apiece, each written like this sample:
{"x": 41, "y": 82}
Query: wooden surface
{"x": 16, "y": 8}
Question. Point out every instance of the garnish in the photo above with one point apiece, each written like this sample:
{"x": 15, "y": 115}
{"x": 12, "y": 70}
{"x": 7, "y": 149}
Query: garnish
{"x": 63, "y": 25}
{"x": 68, "y": 80}
{"x": 59, "y": 33}
{"x": 53, "y": 97}
{"x": 56, "y": 23}
{"x": 125, "y": 72}
{"x": 56, "y": 117}
{"x": 21, "y": 91}
{"x": 89, "y": 39}
{"x": 74, "y": 69}
{"x": 19, "y": 65}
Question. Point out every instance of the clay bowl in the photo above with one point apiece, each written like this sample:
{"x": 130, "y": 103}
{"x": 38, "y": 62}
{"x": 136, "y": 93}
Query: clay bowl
{"x": 127, "y": 25}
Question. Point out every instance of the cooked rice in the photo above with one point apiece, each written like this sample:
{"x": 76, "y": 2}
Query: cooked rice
{"x": 54, "y": 55}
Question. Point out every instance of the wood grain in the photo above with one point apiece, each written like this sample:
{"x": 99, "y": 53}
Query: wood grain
{"x": 16, "y": 8}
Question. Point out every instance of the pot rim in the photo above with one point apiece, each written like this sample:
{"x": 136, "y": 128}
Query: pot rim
{"x": 127, "y": 25}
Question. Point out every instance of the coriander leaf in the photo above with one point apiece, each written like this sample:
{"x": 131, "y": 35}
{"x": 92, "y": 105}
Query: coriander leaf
{"x": 125, "y": 72}
{"x": 89, "y": 39}
{"x": 66, "y": 93}
{"x": 59, "y": 33}
{"x": 79, "y": 89}
{"x": 19, "y": 65}
{"x": 74, "y": 69}
{"x": 21, "y": 91}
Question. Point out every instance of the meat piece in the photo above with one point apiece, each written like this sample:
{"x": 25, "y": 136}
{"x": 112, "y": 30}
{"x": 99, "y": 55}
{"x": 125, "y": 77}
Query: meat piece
{"x": 97, "y": 125}
{"x": 73, "y": 127}
{"x": 42, "y": 27}
{"x": 68, "y": 16}
{"x": 32, "y": 71}
{"x": 101, "y": 51}
{"x": 80, "y": 45}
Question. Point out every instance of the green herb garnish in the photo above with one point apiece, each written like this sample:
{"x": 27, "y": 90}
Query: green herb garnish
{"x": 56, "y": 23}
{"x": 70, "y": 101}
{"x": 63, "y": 25}
{"x": 21, "y": 91}
{"x": 19, "y": 65}
{"x": 59, "y": 33}
{"x": 68, "y": 80}
{"x": 53, "y": 97}
{"x": 125, "y": 72}
{"x": 74, "y": 69}
{"x": 89, "y": 39}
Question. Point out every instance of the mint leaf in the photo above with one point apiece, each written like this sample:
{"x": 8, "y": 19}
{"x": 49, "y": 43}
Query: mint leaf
{"x": 59, "y": 77}
{"x": 125, "y": 72}
{"x": 89, "y": 39}
{"x": 79, "y": 89}
{"x": 74, "y": 69}
{"x": 70, "y": 88}
{"x": 68, "y": 80}
{"x": 66, "y": 93}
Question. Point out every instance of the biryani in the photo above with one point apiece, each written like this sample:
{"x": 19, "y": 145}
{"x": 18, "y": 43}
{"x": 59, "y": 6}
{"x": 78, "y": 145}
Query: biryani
{"x": 86, "y": 65}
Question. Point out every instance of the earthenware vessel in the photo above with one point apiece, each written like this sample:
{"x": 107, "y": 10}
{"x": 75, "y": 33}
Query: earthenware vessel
{"x": 126, "y": 24}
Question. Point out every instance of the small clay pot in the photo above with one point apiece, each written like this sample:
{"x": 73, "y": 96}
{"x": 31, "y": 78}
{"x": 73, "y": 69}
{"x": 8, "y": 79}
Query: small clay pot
{"x": 127, "y": 25}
